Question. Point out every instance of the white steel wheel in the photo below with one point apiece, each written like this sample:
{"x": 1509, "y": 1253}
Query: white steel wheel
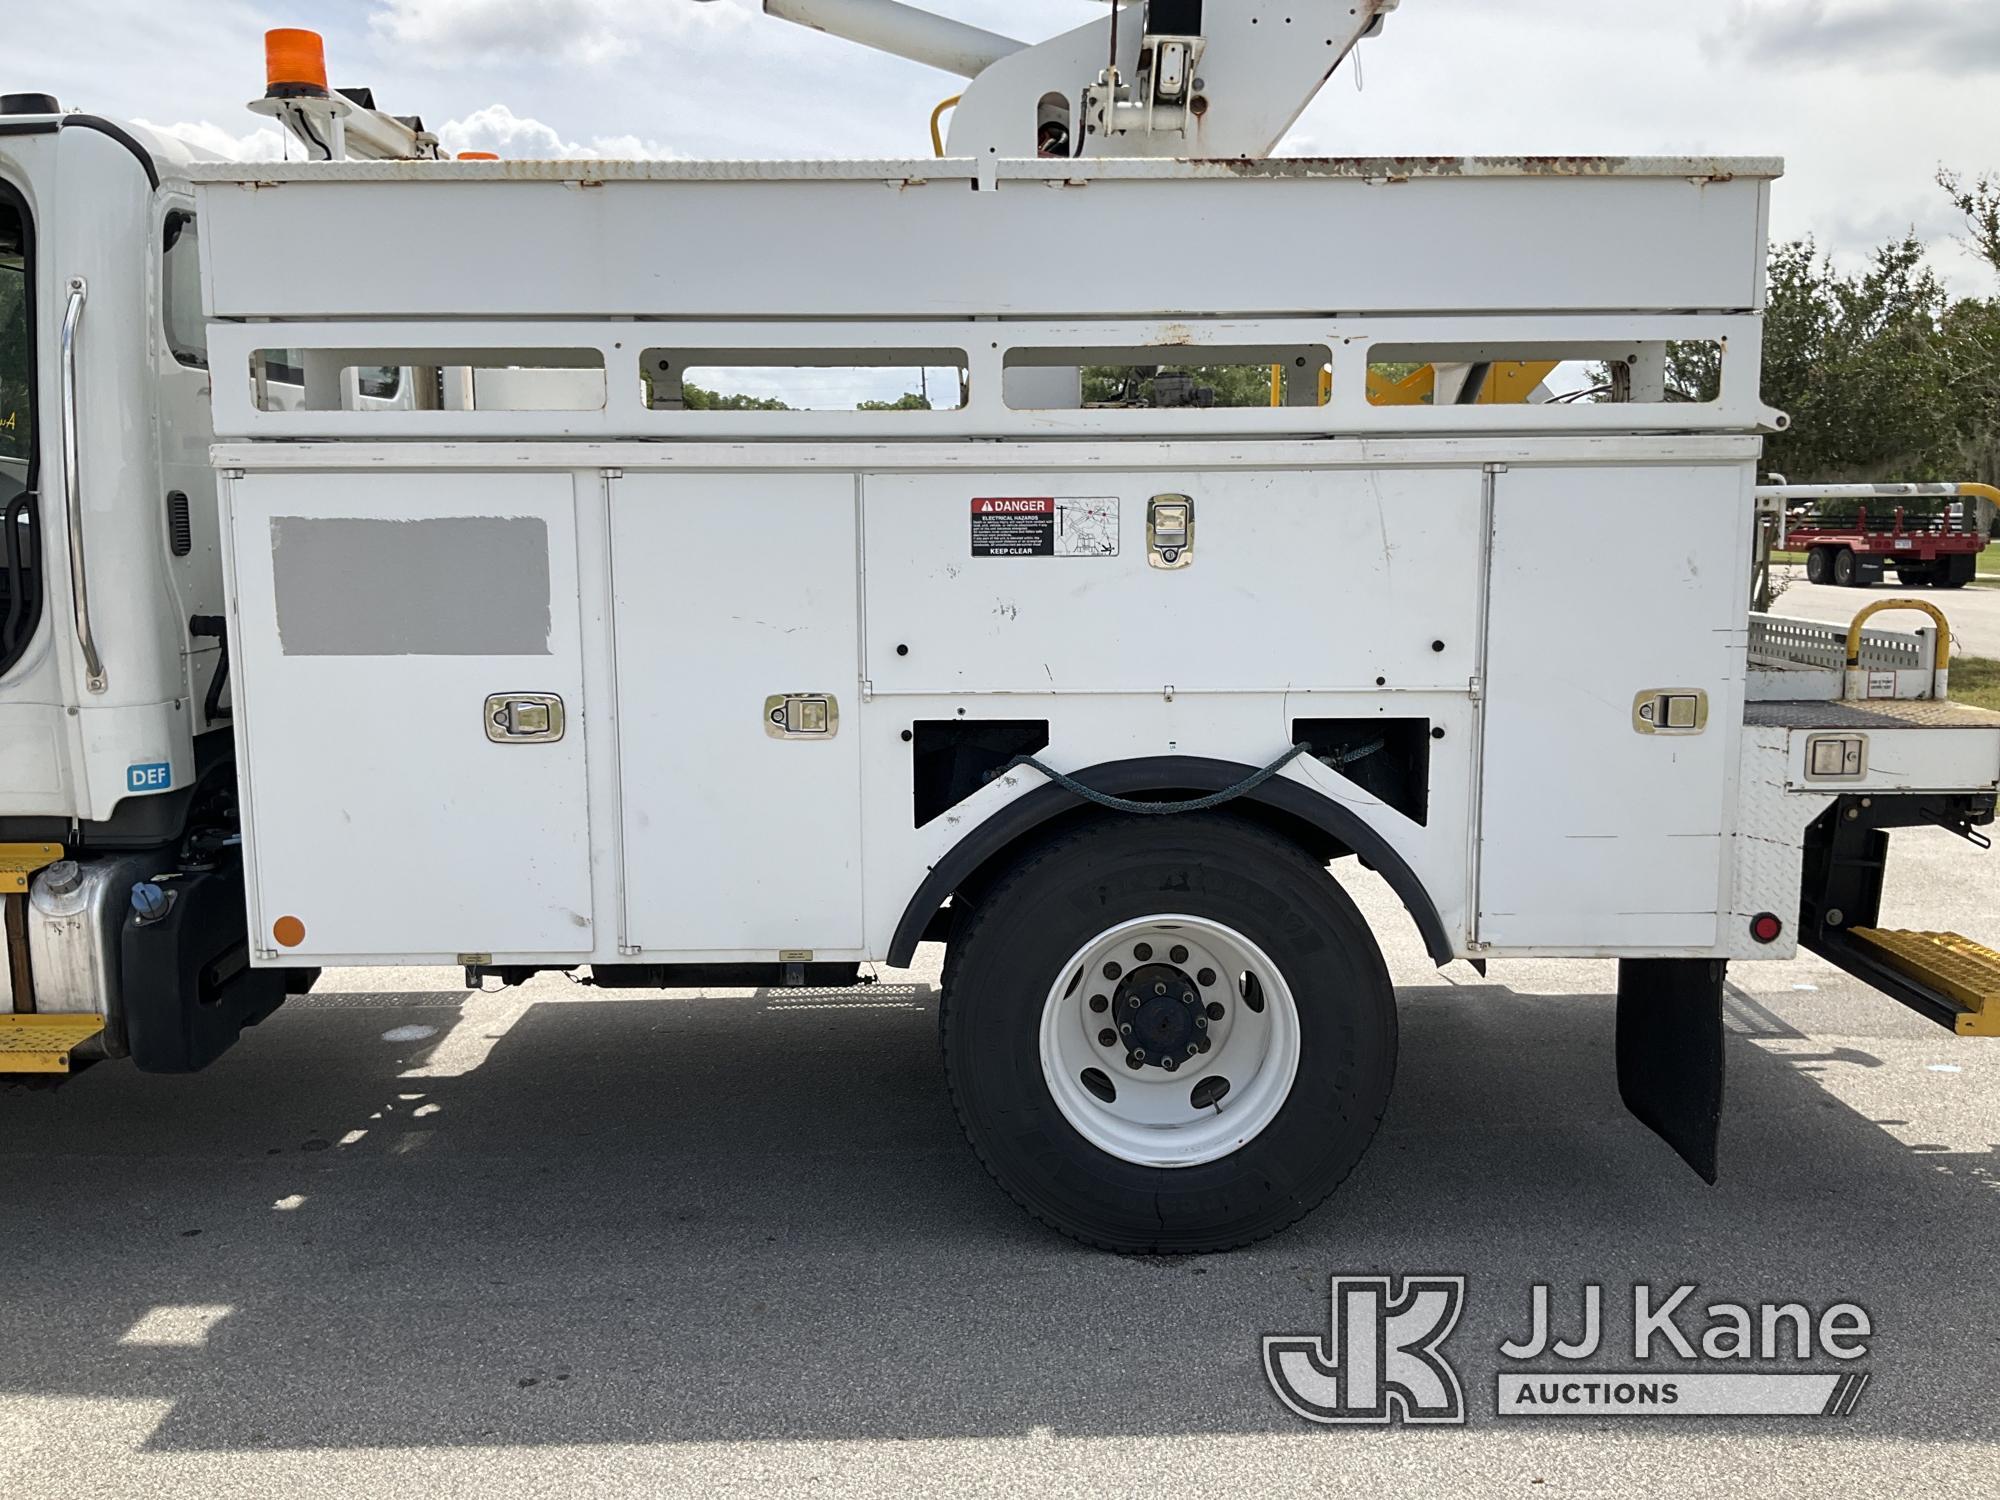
{"x": 1084, "y": 1123}
{"x": 1170, "y": 1041}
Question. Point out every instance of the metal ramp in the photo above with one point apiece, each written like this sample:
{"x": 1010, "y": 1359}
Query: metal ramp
{"x": 1948, "y": 965}
{"x": 42, "y": 1044}
{"x": 1943, "y": 977}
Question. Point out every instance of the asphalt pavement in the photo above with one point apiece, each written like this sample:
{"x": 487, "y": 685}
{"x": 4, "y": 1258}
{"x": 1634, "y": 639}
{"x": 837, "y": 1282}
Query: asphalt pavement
{"x": 407, "y": 1240}
{"x": 1974, "y": 611}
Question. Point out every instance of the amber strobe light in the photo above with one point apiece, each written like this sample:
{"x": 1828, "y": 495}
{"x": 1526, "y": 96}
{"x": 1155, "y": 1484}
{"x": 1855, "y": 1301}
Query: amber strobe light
{"x": 294, "y": 62}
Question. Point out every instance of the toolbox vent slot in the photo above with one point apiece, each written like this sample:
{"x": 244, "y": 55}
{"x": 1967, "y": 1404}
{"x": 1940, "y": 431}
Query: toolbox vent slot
{"x": 180, "y": 525}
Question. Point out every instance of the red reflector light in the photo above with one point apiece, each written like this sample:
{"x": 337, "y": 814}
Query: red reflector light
{"x": 1766, "y": 928}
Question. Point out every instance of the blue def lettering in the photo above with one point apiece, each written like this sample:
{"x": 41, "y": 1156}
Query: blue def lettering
{"x": 156, "y": 777}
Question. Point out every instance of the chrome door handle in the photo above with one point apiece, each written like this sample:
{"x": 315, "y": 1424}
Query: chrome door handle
{"x": 524, "y": 718}
{"x": 73, "y": 489}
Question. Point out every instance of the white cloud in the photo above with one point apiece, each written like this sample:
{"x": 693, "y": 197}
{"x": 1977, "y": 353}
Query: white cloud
{"x": 1942, "y": 36}
{"x": 261, "y": 143}
{"x": 498, "y": 129}
{"x": 589, "y": 31}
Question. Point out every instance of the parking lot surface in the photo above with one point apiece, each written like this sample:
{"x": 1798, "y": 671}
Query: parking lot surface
{"x": 1974, "y": 612}
{"x": 407, "y": 1240}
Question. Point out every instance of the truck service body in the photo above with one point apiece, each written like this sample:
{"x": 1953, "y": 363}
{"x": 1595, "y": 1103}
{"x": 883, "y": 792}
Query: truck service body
{"x": 533, "y": 661}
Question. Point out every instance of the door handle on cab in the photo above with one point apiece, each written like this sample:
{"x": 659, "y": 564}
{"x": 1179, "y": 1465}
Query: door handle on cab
{"x": 73, "y": 489}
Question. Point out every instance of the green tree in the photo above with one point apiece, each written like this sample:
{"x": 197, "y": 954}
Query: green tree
{"x": 908, "y": 401}
{"x": 1979, "y": 201}
{"x": 1128, "y": 385}
{"x": 1869, "y": 365}
{"x": 695, "y": 398}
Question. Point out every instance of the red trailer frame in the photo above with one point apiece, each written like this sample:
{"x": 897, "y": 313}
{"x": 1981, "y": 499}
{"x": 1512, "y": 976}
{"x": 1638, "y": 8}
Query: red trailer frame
{"x": 1927, "y": 551}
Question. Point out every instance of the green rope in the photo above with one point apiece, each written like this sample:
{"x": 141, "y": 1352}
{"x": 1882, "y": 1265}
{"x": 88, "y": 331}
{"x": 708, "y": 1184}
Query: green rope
{"x": 1339, "y": 761}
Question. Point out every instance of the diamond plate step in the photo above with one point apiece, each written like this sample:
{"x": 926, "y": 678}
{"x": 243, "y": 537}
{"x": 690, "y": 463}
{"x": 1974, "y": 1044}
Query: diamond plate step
{"x": 42, "y": 1044}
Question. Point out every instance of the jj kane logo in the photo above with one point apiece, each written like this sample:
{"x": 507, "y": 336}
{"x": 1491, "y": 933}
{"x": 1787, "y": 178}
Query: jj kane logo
{"x": 1382, "y": 1359}
{"x": 1381, "y": 1362}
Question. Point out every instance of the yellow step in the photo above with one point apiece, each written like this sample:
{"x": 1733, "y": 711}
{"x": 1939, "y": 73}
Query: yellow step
{"x": 19, "y": 861}
{"x": 42, "y": 1044}
{"x": 1951, "y": 965}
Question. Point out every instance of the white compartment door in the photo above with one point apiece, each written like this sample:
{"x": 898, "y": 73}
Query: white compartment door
{"x": 732, "y": 589}
{"x": 376, "y": 615}
{"x": 1608, "y": 583}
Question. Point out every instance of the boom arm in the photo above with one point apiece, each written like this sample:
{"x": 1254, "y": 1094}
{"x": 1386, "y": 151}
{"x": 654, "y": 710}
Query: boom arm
{"x": 1155, "y": 78}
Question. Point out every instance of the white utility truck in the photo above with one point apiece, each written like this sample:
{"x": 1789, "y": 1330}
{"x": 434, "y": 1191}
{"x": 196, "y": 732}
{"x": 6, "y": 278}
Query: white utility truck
{"x": 540, "y": 658}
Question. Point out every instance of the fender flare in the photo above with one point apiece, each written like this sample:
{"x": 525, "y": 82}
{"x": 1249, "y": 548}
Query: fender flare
{"x": 1176, "y": 773}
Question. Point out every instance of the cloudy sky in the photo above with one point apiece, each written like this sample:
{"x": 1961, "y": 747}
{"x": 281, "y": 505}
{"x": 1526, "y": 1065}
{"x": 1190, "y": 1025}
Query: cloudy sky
{"x": 1866, "y": 98}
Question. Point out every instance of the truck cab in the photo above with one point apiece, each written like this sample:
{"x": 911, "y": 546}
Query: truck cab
{"x": 116, "y": 760}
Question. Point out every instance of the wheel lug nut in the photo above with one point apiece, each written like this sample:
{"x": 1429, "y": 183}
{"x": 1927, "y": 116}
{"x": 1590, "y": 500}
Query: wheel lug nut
{"x": 1205, "y": 978}
{"x": 1160, "y": 987}
{"x": 1099, "y": 1004}
{"x": 1201, "y": 1022}
{"x": 1215, "y": 1011}
{"x": 1143, "y": 952}
{"x": 1126, "y": 1029}
{"x": 1193, "y": 1048}
{"x": 1112, "y": 971}
{"x": 1133, "y": 1003}
{"x": 1107, "y": 1038}
{"x": 1177, "y": 953}
{"x": 1169, "y": 1064}
{"x": 1139, "y": 1053}
{"x": 1188, "y": 998}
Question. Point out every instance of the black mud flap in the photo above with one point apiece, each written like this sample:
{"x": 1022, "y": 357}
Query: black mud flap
{"x": 1670, "y": 1052}
{"x": 187, "y": 984}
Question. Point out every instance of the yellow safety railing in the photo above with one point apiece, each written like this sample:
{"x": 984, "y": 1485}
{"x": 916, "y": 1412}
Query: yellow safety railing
{"x": 1943, "y": 625}
{"x": 937, "y": 123}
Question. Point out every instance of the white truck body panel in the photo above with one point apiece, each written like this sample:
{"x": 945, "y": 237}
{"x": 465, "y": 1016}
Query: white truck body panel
{"x": 726, "y": 583}
{"x": 1356, "y": 562}
{"x": 974, "y": 239}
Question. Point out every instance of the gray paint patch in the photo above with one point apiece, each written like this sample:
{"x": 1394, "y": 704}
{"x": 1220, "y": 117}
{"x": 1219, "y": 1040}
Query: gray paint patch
{"x": 450, "y": 586}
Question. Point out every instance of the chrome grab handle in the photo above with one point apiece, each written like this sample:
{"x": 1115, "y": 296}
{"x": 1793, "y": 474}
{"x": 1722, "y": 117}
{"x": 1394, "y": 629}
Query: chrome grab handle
{"x": 72, "y": 490}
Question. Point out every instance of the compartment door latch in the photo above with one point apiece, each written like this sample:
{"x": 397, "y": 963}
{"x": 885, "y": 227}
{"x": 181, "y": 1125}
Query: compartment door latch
{"x": 1670, "y": 711}
{"x": 1170, "y": 531}
{"x": 524, "y": 718}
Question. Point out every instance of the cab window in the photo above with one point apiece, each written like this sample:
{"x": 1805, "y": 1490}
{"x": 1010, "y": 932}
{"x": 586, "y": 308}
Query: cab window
{"x": 180, "y": 292}
{"x": 20, "y": 562}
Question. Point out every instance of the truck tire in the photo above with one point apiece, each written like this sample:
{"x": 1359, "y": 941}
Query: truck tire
{"x": 1819, "y": 565}
{"x": 1923, "y": 577}
{"x": 1846, "y": 571}
{"x": 1168, "y": 1034}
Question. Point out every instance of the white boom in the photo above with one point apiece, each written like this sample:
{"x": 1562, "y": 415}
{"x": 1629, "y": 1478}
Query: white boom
{"x": 903, "y": 31}
{"x": 1152, "y": 79}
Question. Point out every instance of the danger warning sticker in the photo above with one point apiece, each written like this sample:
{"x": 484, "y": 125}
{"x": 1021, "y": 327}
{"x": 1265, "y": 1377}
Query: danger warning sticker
{"x": 1045, "y": 526}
